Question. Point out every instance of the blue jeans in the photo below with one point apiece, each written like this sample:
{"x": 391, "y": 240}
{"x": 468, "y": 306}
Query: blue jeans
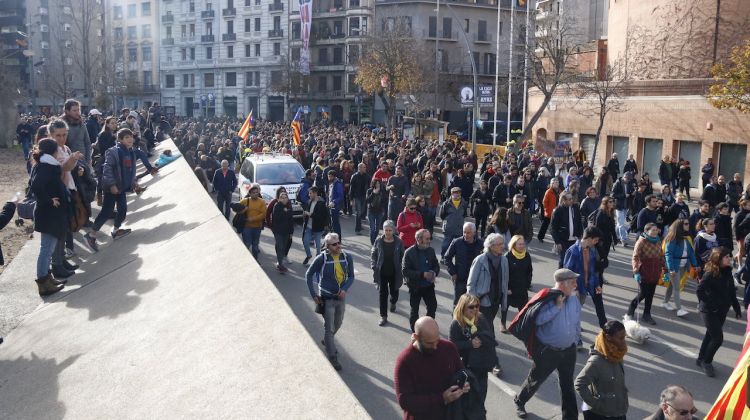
{"x": 26, "y": 146}
{"x": 108, "y": 206}
{"x": 395, "y": 207}
{"x": 309, "y": 235}
{"x": 375, "y": 221}
{"x": 622, "y": 231}
{"x": 46, "y": 248}
{"x": 359, "y": 209}
{"x": 335, "y": 224}
{"x": 251, "y": 239}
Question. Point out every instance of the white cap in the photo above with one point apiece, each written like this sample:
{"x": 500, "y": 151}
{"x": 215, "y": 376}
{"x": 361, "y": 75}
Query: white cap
{"x": 95, "y": 112}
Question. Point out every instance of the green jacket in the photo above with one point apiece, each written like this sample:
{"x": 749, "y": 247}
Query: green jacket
{"x": 601, "y": 385}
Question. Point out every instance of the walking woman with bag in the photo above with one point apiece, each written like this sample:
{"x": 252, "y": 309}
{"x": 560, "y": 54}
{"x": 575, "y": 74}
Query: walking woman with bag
{"x": 282, "y": 228}
{"x": 385, "y": 260}
{"x": 601, "y": 383}
{"x": 679, "y": 257}
{"x": 648, "y": 266}
{"x": 716, "y": 294}
{"x": 474, "y": 338}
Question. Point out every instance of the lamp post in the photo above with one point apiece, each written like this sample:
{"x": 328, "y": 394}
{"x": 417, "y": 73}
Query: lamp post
{"x": 437, "y": 58}
{"x": 476, "y": 81}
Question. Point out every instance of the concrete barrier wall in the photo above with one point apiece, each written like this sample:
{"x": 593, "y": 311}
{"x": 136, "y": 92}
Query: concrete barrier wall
{"x": 175, "y": 320}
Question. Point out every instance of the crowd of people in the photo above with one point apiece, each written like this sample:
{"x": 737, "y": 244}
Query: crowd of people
{"x": 402, "y": 190}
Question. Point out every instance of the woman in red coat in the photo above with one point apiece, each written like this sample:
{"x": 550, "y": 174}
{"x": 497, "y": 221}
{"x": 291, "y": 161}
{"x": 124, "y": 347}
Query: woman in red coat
{"x": 408, "y": 223}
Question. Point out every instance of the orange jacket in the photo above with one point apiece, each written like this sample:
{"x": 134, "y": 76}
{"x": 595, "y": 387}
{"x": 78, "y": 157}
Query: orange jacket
{"x": 549, "y": 202}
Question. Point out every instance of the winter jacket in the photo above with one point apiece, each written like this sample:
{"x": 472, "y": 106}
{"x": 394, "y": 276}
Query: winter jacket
{"x": 694, "y": 218}
{"x": 630, "y": 166}
{"x": 6, "y": 215}
{"x": 603, "y": 185}
{"x": 525, "y": 228}
{"x": 622, "y": 193}
{"x": 673, "y": 254}
{"x": 358, "y": 185}
{"x": 665, "y": 172}
{"x": 741, "y": 224}
{"x": 606, "y": 224}
{"x": 677, "y": 211}
{"x": 423, "y": 189}
{"x": 560, "y": 228}
{"x": 704, "y": 243}
{"x": 601, "y": 385}
{"x": 93, "y": 128}
{"x": 335, "y": 194}
{"x": 549, "y": 202}
{"x": 462, "y": 336}
{"x": 303, "y": 194}
{"x": 323, "y": 270}
{"x": 648, "y": 260}
{"x": 573, "y": 261}
{"x": 459, "y": 255}
{"x": 318, "y": 221}
{"x": 520, "y": 273}
{"x": 377, "y": 257}
{"x": 453, "y": 217}
{"x": 113, "y": 171}
{"x": 480, "y": 203}
{"x": 46, "y": 185}
{"x": 283, "y": 219}
{"x": 375, "y": 202}
{"x": 712, "y": 195}
{"x": 646, "y": 216}
{"x": 255, "y": 212}
{"x": 503, "y": 195}
{"x": 405, "y": 231}
{"x": 223, "y": 183}
{"x": 724, "y": 230}
{"x": 78, "y": 139}
{"x": 480, "y": 279}
{"x": 413, "y": 270}
{"x": 716, "y": 294}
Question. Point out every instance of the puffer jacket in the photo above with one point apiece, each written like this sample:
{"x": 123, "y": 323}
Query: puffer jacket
{"x": 453, "y": 217}
{"x": 601, "y": 385}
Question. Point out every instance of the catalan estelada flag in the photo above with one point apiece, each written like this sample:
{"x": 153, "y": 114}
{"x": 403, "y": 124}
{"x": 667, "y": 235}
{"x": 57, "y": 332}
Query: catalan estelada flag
{"x": 248, "y": 125}
{"x": 297, "y": 129}
{"x": 732, "y": 402}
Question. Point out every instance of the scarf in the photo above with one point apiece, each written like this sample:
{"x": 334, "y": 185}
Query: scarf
{"x": 494, "y": 259}
{"x": 609, "y": 350}
{"x": 471, "y": 324}
{"x": 709, "y": 237}
{"x": 456, "y": 202}
{"x": 650, "y": 239}
{"x": 518, "y": 255}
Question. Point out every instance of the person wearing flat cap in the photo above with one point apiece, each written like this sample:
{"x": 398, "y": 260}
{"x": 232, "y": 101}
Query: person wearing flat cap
{"x": 558, "y": 330}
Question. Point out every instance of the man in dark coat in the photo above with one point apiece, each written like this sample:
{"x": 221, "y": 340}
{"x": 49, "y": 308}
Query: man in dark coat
{"x": 566, "y": 225}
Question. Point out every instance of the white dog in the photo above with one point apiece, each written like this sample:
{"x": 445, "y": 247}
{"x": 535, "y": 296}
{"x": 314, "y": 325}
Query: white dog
{"x": 635, "y": 331}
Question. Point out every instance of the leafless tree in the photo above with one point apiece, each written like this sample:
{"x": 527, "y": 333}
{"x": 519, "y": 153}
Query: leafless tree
{"x": 86, "y": 20}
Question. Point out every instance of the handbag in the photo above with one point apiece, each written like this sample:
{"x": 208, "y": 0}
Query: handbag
{"x": 79, "y": 216}
{"x": 238, "y": 221}
{"x": 320, "y": 308}
{"x": 25, "y": 208}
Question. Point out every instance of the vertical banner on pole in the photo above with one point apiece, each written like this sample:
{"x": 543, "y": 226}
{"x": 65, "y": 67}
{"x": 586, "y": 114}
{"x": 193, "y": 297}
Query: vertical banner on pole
{"x": 305, "y": 14}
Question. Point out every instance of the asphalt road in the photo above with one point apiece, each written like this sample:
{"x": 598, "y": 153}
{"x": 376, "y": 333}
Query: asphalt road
{"x": 368, "y": 352}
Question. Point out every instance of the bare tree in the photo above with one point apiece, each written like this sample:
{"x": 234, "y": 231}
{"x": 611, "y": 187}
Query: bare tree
{"x": 57, "y": 73}
{"x": 85, "y": 20}
{"x": 598, "y": 98}
{"x": 549, "y": 63}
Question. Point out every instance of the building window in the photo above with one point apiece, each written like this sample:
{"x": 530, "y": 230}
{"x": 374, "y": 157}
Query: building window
{"x": 276, "y": 77}
{"x": 146, "y": 10}
{"x": 248, "y": 78}
{"x": 447, "y": 28}
{"x": 146, "y": 53}
{"x": 257, "y": 50}
{"x": 146, "y": 31}
{"x": 117, "y": 12}
{"x": 119, "y": 56}
{"x": 354, "y": 26}
{"x": 208, "y": 80}
{"x": 231, "y": 79}
{"x": 185, "y": 80}
{"x": 170, "y": 80}
{"x": 296, "y": 30}
{"x": 248, "y": 50}
{"x": 169, "y": 32}
{"x": 183, "y": 54}
{"x": 353, "y": 3}
{"x": 322, "y": 83}
{"x": 482, "y": 30}
{"x": 489, "y": 63}
{"x": 131, "y": 11}
{"x": 432, "y": 27}
{"x": 277, "y": 49}
{"x": 191, "y": 30}
{"x": 323, "y": 56}
{"x": 209, "y": 28}
{"x": 132, "y": 32}
{"x": 147, "y": 78}
{"x": 353, "y": 54}
{"x": 257, "y": 25}
{"x": 192, "y": 53}
{"x": 230, "y": 51}
{"x": 336, "y": 82}
{"x": 295, "y": 54}
{"x": 209, "y": 53}
{"x": 467, "y": 25}
{"x": 247, "y": 25}
{"x": 338, "y": 55}
{"x": 230, "y": 26}
{"x": 132, "y": 55}
{"x": 118, "y": 33}
{"x": 191, "y": 7}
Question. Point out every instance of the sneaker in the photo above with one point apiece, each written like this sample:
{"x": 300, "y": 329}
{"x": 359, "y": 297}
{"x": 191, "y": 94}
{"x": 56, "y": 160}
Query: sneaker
{"x": 119, "y": 233}
{"x": 681, "y": 312}
{"x": 91, "y": 242}
{"x": 335, "y": 363}
{"x": 668, "y": 306}
{"x": 393, "y": 307}
{"x": 708, "y": 369}
{"x": 648, "y": 320}
{"x": 69, "y": 253}
{"x": 307, "y": 260}
{"x": 497, "y": 371}
{"x": 383, "y": 321}
{"x": 281, "y": 268}
{"x": 520, "y": 409}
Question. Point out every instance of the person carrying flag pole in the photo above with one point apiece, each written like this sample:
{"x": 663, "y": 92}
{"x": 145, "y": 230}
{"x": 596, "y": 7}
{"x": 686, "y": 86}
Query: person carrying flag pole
{"x": 248, "y": 125}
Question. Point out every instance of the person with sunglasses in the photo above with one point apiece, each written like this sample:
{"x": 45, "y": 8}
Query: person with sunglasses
{"x": 334, "y": 271}
{"x": 675, "y": 403}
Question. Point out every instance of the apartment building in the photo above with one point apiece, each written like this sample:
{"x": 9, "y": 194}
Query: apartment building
{"x": 133, "y": 35}
{"x": 13, "y": 62}
{"x": 224, "y": 57}
{"x": 457, "y": 24}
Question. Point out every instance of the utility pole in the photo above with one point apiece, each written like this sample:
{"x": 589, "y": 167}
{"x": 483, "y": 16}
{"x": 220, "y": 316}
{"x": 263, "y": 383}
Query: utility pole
{"x": 437, "y": 59}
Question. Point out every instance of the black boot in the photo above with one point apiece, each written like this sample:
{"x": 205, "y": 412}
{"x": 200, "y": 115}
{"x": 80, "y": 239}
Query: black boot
{"x": 70, "y": 266}
{"x": 56, "y": 281}
{"x": 47, "y": 287}
{"x": 60, "y": 272}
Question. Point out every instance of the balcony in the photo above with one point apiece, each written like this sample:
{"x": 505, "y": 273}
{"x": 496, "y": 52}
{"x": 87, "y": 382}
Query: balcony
{"x": 444, "y": 35}
{"x": 187, "y": 38}
{"x": 207, "y": 14}
{"x": 482, "y": 38}
{"x": 167, "y": 41}
{"x": 229, "y": 12}
{"x": 168, "y": 18}
{"x": 276, "y": 33}
{"x": 206, "y": 39}
{"x": 229, "y": 37}
{"x": 276, "y": 7}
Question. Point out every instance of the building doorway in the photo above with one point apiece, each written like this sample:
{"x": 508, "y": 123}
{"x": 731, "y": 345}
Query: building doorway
{"x": 337, "y": 113}
{"x": 652, "y": 154}
{"x": 732, "y": 159}
{"x": 691, "y": 151}
{"x": 587, "y": 142}
{"x": 275, "y": 108}
{"x": 621, "y": 146}
{"x": 188, "y": 107}
{"x": 230, "y": 106}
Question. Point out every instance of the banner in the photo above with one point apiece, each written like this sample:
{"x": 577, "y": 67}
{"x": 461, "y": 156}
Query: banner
{"x": 305, "y": 15}
{"x": 562, "y": 148}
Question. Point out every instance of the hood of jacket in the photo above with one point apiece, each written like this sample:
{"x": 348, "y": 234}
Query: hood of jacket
{"x": 710, "y": 237}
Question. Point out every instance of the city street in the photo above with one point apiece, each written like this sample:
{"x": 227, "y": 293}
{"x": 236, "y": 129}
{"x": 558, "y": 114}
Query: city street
{"x": 368, "y": 352}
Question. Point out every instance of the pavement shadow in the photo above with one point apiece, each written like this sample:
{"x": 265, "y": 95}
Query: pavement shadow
{"x": 45, "y": 392}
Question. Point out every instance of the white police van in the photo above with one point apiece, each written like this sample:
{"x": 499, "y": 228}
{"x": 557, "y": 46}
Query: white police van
{"x": 271, "y": 171}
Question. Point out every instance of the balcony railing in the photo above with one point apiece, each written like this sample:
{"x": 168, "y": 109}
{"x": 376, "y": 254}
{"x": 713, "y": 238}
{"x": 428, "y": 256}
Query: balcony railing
{"x": 276, "y": 7}
{"x": 167, "y": 18}
{"x": 444, "y": 35}
{"x": 207, "y": 14}
{"x": 229, "y": 12}
{"x": 276, "y": 33}
{"x": 229, "y": 37}
{"x": 167, "y": 41}
{"x": 207, "y": 38}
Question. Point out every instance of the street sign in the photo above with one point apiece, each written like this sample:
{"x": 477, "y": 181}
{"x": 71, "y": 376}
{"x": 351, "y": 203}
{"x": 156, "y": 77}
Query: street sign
{"x": 486, "y": 96}
{"x": 306, "y": 109}
{"x": 467, "y": 97}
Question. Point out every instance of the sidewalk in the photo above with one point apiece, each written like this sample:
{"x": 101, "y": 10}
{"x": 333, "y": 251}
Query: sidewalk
{"x": 175, "y": 320}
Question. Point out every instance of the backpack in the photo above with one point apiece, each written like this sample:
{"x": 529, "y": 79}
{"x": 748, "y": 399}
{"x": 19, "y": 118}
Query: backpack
{"x": 523, "y": 326}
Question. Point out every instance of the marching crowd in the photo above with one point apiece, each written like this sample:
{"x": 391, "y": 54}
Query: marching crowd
{"x": 402, "y": 190}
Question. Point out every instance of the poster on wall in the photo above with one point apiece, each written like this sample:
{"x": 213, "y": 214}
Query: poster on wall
{"x": 562, "y": 149}
{"x": 305, "y": 14}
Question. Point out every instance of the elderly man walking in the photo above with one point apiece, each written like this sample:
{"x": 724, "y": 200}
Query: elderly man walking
{"x": 334, "y": 271}
{"x": 461, "y": 252}
{"x": 420, "y": 269}
{"x": 224, "y": 182}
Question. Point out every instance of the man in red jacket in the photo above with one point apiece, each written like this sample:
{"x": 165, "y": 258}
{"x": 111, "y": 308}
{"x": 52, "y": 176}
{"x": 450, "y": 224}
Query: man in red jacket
{"x": 423, "y": 373}
{"x": 408, "y": 223}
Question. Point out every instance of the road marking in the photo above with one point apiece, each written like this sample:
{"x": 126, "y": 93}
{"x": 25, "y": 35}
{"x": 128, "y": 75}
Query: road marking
{"x": 502, "y": 385}
{"x": 681, "y": 350}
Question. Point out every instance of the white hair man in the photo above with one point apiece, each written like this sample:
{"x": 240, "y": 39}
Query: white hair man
{"x": 461, "y": 252}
